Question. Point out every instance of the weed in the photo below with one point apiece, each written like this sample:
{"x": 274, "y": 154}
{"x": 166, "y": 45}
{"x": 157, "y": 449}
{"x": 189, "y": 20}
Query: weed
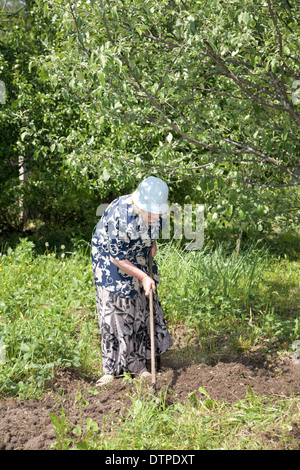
{"x": 48, "y": 321}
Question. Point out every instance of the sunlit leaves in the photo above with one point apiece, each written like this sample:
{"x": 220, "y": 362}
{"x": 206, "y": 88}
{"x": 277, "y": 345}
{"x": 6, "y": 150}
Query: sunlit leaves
{"x": 175, "y": 85}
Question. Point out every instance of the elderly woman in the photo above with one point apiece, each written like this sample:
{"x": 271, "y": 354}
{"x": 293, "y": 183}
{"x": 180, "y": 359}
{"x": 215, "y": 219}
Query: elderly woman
{"x": 120, "y": 247}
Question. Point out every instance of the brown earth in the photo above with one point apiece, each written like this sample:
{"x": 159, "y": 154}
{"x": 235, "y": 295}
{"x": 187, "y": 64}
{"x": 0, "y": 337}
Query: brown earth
{"x": 26, "y": 424}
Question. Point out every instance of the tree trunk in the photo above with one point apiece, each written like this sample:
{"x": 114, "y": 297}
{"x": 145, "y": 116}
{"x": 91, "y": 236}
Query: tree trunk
{"x": 23, "y": 178}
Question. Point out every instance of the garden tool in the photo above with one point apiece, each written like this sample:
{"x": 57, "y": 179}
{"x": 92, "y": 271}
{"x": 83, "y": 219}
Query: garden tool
{"x": 152, "y": 339}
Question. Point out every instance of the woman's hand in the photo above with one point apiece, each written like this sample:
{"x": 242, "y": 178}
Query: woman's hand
{"x": 132, "y": 270}
{"x": 148, "y": 283}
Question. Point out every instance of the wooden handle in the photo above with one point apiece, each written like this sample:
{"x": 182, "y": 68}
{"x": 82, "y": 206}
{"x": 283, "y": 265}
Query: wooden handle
{"x": 152, "y": 340}
{"x": 150, "y": 263}
{"x": 152, "y": 334}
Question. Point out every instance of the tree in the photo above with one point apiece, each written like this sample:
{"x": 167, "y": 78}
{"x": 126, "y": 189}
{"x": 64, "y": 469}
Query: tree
{"x": 13, "y": 41}
{"x": 30, "y": 108}
{"x": 198, "y": 92}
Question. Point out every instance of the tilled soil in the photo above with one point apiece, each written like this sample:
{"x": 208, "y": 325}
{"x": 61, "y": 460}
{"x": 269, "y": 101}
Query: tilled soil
{"x": 26, "y": 424}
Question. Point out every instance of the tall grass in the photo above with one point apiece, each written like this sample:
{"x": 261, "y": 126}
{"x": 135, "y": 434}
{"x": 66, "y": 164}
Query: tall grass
{"x": 220, "y": 292}
{"x": 48, "y": 316}
{"x": 211, "y": 281}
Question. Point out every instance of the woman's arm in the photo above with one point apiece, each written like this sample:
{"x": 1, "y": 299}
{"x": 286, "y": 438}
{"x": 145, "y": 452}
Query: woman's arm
{"x": 129, "y": 268}
{"x": 153, "y": 249}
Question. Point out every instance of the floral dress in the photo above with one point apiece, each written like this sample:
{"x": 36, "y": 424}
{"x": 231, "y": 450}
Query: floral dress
{"x": 122, "y": 306}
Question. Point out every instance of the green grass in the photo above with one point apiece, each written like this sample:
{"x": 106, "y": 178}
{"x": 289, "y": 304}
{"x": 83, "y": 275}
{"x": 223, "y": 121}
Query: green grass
{"x": 48, "y": 321}
{"x": 203, "y": 423}
{"x": 254, "y": 423}
{"x": 251, "y": 297}
{"x": 47, "y": 317}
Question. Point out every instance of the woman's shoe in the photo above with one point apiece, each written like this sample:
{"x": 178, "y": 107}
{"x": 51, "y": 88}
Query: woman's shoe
{"x": 144, "y": 373}
{"x": 105, "y": 380}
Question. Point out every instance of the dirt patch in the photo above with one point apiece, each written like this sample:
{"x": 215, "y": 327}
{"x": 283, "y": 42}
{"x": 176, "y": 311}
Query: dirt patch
{"x": 26, "y": 424}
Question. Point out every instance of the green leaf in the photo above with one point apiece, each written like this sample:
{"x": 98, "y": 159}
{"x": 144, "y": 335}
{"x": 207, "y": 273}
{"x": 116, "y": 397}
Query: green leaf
{"x": 229, "y": 210}
{"x": 246, "y": 18}
{"x": 93, "y": 391}
{"x": 203, "y": 392}
{"x": 65, "y": 94}
{"x": 105, "y": 175}
{"x": 221, "y": 182}
{"x": 82, "y": 446}
{"x": 101, "y": 77}
{"x": 169, "y": 137}
{"x": 55, "y": 419}
{"x": 242, "y": 214}
{"x": 60, "y": 148}
{"x": 90, "y": 424}
{"x": 260, "y": 210}
{"x": 81, "y": 37}
{"x": 232, "y": 196}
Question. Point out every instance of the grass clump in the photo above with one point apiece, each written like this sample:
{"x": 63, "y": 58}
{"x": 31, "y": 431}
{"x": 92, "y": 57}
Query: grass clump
{"x": 48, "y": 320}
{"x": 254, "y": 423}
{"x": 251, "y": 297}
{"x": 46, "y": 317}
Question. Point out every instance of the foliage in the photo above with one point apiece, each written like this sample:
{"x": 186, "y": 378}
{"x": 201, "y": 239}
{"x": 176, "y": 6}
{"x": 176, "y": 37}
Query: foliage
{"x": 201, "y": 94}
{"x": 209, "y": 288}
{"x": 43, "y": 326}
{"x": 41, "y": 323}
{"x": 200, "y": 424}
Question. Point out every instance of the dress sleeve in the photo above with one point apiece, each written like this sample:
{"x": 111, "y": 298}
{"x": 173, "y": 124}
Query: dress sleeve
{"x": 119, "y": 239}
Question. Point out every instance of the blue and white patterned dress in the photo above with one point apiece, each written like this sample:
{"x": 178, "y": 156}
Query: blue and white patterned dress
{"x": 122, "y": 234}
{"x": 123, "y": 308}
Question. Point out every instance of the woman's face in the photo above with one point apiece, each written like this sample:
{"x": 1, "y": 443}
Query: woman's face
{"x": 153, "y": 217}
{"x": 148, "y": 217}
